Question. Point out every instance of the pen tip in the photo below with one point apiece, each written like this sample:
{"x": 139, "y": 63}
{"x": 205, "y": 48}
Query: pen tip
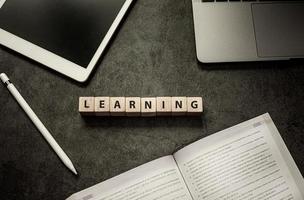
{"x": 74, "y": 171}
{"x": 72, "y": 168}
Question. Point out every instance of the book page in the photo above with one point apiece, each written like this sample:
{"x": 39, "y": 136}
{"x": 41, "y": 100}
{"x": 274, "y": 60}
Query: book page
{"x": 157, "y": 180}
{"x": 246, "y": 162}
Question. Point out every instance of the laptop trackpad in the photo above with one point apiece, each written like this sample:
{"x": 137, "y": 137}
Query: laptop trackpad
{"x": 279, "y": 29}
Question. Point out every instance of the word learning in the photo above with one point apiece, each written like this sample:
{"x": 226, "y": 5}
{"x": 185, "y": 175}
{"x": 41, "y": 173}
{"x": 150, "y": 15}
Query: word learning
{"x": 141, "y": 106}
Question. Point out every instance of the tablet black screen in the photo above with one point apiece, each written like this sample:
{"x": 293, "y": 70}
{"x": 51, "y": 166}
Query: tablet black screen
{"x": 72, "y": 29}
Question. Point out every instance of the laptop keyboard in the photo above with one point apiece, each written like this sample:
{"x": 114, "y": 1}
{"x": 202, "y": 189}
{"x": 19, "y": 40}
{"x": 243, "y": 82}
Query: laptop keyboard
{"x": 246, "y": 0}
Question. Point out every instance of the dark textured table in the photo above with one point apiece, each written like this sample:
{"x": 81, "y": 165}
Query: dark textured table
{"x": 152, "y": 54}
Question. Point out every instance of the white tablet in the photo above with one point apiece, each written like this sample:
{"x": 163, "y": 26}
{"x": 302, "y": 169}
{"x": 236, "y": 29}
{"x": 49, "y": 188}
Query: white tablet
{"x": 66, "y": 35}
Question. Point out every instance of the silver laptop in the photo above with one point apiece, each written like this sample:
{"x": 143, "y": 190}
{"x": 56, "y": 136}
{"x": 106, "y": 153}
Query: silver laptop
{"x": 251, "y": 30}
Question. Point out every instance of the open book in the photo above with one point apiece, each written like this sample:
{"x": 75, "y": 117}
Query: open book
{"x": 246, "y": 161}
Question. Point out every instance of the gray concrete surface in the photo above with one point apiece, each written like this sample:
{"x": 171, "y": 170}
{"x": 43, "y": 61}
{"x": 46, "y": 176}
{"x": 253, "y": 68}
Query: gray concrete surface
{"x": 152, "y": 54}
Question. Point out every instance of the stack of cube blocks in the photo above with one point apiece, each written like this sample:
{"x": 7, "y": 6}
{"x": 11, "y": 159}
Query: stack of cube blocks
{"x": 137, "y": 106}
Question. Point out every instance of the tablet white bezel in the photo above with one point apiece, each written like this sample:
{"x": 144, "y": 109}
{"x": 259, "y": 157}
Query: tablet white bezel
{"x": 57, "y": 62}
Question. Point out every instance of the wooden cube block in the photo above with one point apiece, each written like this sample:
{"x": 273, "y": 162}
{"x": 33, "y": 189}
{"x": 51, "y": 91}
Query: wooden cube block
{"x": 117, "y": 106}
{"x": 102, "y": 106}
{"x": 163, "y": 106}
{"x": 179, "y": 106}
{"x": 195, "y": 106}
{"x": 86, "y": 105}
{"x": 133, "y": 106}
{"x": 148, "y": 107}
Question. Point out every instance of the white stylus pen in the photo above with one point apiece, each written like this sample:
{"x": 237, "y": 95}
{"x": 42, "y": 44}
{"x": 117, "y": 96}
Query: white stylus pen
{"x": 46, "y": 134}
